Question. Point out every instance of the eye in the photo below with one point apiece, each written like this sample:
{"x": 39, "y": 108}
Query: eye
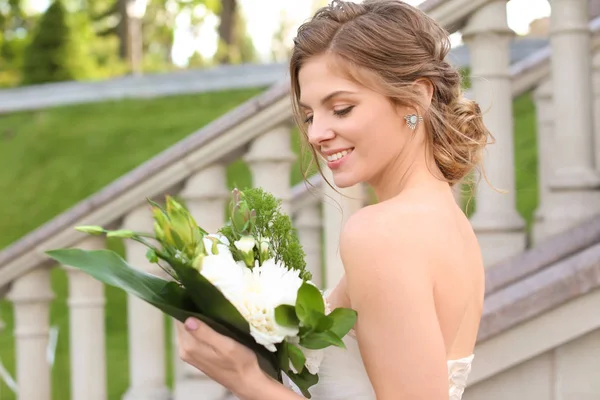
{"x": 344, "y": 111}
{"x": 308, "y": 119}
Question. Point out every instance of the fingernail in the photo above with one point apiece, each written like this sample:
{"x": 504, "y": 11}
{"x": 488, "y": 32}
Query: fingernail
{"x": 191, "y": 324}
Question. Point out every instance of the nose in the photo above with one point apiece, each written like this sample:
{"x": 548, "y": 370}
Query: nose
{"x": 318, "y": 133}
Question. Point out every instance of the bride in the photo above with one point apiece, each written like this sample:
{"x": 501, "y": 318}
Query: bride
{"x": 376, "y": 100}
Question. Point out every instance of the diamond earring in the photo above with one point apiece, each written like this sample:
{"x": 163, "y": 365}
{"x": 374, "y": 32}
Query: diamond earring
{"x": 412, "y": 120}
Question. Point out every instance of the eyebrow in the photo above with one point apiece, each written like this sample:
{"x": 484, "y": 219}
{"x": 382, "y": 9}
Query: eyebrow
{"x": 328, "y": 97}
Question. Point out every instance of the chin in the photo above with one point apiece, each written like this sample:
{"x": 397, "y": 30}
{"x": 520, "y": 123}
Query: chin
{"x": 343, "y": 182}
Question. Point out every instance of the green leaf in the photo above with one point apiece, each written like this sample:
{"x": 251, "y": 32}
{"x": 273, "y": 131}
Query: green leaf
{"x": 301, "y": 312}
{"x": 321, "y": 340}
{"x": 151, "y": 256}
{"x": 309, "y": 300}
{"x": 343, "y": 320}
{"x": 296, "y": 357}
{"x": 208, "y": 299}
{"x": 304, "y": 380}
{"x": 322, "y": 322}
{"x": 174, "y": 300}
{"x": 285, "y": 315}
{"x": 282, "y": 356}
{"x": 304, "y": 330}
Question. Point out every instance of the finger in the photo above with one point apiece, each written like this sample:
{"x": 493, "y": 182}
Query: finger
{"x": 188, "y": 340}
{"x": 191, "y": 349}
{"x": 205, "y": 334}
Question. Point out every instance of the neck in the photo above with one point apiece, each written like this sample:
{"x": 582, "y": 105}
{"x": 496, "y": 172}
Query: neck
{"x": 415, "y": 170}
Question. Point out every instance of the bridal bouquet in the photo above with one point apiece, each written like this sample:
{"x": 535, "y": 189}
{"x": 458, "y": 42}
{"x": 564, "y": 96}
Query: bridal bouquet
{"x": 247, "y": 281}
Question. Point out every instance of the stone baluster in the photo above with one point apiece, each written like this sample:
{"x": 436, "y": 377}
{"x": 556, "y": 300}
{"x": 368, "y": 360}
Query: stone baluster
{"x": 270, "y": 159}
{"x": 574, "y": 184}
{"x": 206, "y": 196}
{"x": 146, "y": 332}
{"x": 596, "y": 82}
{"x": 498, "y": 225}
{"x": 87, "y": 342}
{"x": 338, "y": 205}
{"x": 545, "y": 140}
{"x": 308, "y": 222}
{"x": 31, "y": 295}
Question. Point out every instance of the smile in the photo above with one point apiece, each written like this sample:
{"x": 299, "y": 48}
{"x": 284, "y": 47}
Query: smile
{"x": 339, "y": 155}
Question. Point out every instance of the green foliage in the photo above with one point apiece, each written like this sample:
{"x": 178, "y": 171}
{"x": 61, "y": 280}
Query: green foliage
{"x": 241, "y": 49}
{"x": 465, "y": 74}
{"x": 199, "y": 299}
{"x": 11, "y": 60}
{"x": 56, "y": 52}
{"x": 14, "y": 28}
{"x": 159, "y": 29}
{"x": 271, "y": 222}
{"x": 281, "y": 48}
{"x": 104, "y": 51}
{"x": 317, "y": 330}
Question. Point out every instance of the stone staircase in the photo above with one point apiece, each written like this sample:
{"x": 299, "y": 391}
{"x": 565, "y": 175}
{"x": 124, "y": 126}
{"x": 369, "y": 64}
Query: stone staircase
{"x": 540, "y": 336}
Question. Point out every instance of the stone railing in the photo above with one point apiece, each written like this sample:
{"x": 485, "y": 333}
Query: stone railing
{"x": 259, "y": 132}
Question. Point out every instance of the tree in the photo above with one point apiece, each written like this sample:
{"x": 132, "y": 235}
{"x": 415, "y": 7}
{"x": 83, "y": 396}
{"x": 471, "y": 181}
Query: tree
{"x": 227, "y": 16}
{"x": 14, "y": 26}
{"x": 281, "y": 45}
{"x": 235, "y": 45}
{"x": 111, "y": 20}
{"x": 55, "y": 54}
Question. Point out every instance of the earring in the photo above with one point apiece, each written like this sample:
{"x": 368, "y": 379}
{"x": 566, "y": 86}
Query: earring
{"x": 412, "y": 120}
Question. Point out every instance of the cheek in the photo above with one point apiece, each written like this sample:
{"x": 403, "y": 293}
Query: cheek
{"x": 383, "y": 139}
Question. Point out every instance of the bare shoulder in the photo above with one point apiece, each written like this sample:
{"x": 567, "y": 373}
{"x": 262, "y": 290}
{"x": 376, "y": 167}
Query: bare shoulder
{"x": 392, "y": 231}
{"x": 390, "y": 253}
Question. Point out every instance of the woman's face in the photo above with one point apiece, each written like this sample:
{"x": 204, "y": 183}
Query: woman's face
{"x": 359, "y": 132}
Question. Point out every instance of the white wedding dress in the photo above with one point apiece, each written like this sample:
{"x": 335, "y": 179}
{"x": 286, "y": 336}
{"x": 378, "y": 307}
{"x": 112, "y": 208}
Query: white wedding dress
{"x": 342, "y": 375}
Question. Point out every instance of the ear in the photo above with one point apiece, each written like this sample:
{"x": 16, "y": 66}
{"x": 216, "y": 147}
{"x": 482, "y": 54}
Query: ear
{"x": 425, "y": 88}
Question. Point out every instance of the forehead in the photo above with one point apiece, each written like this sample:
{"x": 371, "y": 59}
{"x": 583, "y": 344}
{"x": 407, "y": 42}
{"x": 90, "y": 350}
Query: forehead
{"x": 321, "y": 75}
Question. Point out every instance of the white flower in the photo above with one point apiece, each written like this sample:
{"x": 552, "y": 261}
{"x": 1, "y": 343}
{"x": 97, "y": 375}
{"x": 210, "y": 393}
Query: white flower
{"x": 313, "y": 358}
{"x": 245, "y": 244}
{"x": 264, "y": 244}
{"x": 222, "y": 246}
{"x": 224, "y": 272}
{"x": 255, "y": 293}
{"x": 265, "y": 288}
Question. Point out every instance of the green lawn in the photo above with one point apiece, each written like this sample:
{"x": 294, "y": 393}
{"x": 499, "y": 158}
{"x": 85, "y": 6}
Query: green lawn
{"x": 51, "y": 159}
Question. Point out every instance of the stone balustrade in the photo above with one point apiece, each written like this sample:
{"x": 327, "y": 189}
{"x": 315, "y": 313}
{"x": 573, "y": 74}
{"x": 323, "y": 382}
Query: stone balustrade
{"x": 568, "y": 139}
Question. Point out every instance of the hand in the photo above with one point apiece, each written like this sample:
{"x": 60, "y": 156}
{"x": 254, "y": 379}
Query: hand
{"x": 221, "y": 358}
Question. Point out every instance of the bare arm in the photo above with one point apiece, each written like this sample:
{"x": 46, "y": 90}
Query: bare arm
{"x": 390, "y": 285}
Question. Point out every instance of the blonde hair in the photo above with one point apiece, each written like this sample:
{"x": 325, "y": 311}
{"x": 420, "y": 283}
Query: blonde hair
{"x": 397, "y": 44}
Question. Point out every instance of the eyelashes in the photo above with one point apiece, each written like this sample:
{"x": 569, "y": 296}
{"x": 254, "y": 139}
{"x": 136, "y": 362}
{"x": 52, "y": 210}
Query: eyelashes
{"x": 342, "y": 112}
{"x": 337, "y": 113}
